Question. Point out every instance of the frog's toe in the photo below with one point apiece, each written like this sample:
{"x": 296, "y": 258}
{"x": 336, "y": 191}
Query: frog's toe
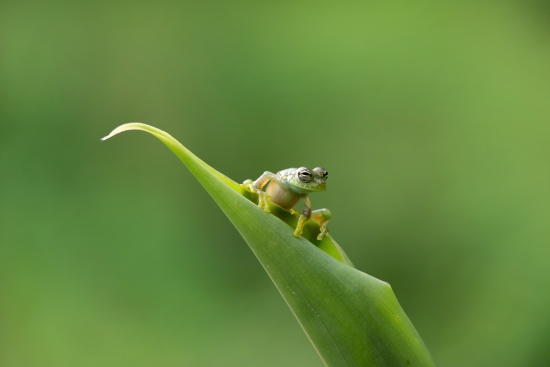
{"x": 248, "y": 185}
{"x": 300, "y": 226}
{"x": 323, "y": 233}
{"x": 295, "y": 213}
{"x": 262, "y": 201}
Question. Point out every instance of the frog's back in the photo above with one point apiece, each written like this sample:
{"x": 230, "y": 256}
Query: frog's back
{"x": 285, "y": 174}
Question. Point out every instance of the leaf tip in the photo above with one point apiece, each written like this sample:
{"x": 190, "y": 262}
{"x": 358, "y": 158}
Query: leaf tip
{"x": 122, "y": 128}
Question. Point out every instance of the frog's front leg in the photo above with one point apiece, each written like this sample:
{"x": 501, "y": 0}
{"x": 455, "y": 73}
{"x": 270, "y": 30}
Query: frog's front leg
{"x": 257, "y": 186}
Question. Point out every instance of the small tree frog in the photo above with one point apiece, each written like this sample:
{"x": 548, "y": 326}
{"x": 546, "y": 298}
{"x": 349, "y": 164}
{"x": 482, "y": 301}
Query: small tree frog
{"x": 285, "y": 188}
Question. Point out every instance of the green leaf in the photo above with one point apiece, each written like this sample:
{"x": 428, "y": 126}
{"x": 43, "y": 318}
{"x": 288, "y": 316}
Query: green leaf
{"x": 351, "y": 318}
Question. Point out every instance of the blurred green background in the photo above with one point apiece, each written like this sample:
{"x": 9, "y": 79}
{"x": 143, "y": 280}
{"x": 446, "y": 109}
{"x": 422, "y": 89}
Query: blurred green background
{"x": 432, "y": 118}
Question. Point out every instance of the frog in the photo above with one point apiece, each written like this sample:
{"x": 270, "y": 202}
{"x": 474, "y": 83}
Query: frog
{"x": 286, "y": 187}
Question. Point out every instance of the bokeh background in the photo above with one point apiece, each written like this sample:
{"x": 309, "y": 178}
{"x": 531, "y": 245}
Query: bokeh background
{"x": 431, "y": 117}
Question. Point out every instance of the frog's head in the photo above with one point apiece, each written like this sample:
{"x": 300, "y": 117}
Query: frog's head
{"x": 304, "y": 180}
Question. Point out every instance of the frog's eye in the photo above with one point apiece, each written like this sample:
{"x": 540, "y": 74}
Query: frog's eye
{"x": 321, "y": 173}
{"x": 304, "y": 174}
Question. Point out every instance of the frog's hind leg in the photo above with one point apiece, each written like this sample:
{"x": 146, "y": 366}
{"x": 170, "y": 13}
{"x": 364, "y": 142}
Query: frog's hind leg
{"x": 306, "y": 214}
{"x": 257, "y": 186}
{"x": 321, "y": 216}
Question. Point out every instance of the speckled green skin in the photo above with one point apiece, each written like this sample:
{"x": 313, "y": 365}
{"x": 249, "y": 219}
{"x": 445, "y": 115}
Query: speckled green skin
{"x": 291, "y": 181}
{"x": 285, "y": 189}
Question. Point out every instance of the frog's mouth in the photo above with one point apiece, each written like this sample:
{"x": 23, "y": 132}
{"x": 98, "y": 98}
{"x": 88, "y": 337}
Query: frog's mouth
{"x": 314, "y": 186}
{"x": 319, "y": 185}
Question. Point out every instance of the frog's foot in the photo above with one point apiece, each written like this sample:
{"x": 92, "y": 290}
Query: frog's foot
{"x": 295, "y": 213}
{"x": 322, "y": 217}
{"x": 323, "y": 233}
{"x": 262, "y": 201}
{"x": 262, "y": 195}
{"x": 300, "y": 226}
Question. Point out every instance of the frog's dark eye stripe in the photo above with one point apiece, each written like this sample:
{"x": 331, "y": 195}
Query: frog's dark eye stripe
{"x": 304, "y": 174}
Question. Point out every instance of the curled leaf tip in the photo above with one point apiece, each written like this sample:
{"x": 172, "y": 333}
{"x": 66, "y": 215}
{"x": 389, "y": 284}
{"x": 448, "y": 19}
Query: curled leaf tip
{"x": 122, "y": 128}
